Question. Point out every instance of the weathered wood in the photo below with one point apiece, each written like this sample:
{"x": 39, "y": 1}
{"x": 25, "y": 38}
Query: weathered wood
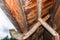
{"x": 35, "y": 27}
{"x": 31, "y": 15}
{"x": 16, "y": 11}
{"x": 34, "y": 4}
{"x": 57, "y": 19}
{"x": 31, "y": 19}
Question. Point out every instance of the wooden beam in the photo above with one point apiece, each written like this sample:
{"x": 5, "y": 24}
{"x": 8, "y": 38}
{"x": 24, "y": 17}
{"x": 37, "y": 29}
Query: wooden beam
{"x": 16, "y": 11}
{"x": 33, "y": 29}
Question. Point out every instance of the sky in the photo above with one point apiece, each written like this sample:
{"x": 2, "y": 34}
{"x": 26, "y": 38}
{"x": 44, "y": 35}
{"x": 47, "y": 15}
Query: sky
{"x": 5, "y": 25}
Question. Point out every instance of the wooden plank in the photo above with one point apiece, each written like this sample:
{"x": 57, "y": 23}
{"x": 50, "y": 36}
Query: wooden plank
{"x": 16, "y": 11}
{"x": 34, "y": 4}
{"x": 33, "y": 18}
{"x": 33, "y": 14}
{"x": 57, "y": 18}
{"x": 32, "y": 30}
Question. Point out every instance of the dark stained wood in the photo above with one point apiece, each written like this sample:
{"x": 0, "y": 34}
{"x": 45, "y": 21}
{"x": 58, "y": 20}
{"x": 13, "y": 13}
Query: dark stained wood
{"x": 57, "y": 20}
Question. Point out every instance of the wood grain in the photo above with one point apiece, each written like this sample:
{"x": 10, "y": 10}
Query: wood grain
{"x": 14, "y": 7}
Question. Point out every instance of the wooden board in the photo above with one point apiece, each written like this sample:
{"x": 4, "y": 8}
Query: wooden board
{"x": 16, "y": 11}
